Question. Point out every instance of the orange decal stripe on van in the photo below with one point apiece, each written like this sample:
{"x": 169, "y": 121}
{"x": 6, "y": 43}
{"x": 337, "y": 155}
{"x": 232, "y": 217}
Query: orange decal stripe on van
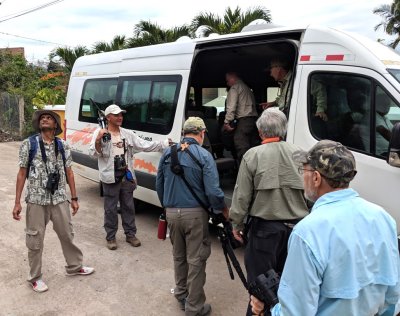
{"x": 141, "y": 164}
{"x": 84, "y": 136}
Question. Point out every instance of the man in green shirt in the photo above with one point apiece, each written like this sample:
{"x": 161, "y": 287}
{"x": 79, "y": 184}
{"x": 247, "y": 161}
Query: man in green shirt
{"x": 269, "y": 192}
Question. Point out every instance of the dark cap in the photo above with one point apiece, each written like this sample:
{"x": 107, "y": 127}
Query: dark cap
{"x": 54, "y": 115}
{"x": 331, "y": 159}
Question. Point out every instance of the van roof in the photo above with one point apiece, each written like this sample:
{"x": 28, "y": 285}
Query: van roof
{"x": 316, "y": 45}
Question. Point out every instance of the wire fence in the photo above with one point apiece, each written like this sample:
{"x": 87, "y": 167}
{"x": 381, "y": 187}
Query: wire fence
{"x": 11, "y": 114}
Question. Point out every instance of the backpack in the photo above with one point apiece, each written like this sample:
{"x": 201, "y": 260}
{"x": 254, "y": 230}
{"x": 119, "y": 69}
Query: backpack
{"x": 33, "y": 146}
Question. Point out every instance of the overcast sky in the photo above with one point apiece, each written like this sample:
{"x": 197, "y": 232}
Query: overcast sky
{"x": 84, "y": 22}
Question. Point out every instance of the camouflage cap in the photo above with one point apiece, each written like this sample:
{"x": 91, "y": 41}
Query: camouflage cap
{"x": 194, "y": 124}
{"x": 331, "y": 159}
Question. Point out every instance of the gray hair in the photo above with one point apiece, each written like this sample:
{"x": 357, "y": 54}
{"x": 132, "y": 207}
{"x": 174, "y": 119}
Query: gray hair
{"x": 272, "y": 123}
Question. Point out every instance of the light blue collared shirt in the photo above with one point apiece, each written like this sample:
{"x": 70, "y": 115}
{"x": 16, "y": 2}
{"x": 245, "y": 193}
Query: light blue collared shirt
{"x": 342, "y": 259}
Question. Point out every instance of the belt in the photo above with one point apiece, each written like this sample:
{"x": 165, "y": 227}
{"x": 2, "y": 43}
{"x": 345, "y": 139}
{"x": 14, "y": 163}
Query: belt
{"x": 184, "y": 209}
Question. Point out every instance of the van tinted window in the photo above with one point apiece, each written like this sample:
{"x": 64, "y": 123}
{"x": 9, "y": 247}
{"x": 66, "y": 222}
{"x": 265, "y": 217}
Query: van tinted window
{"x": 102, "y": 91}
{"x": 358, "y": 112}
{"x": 340, "y": 109}
{"x": 150, "y": 102}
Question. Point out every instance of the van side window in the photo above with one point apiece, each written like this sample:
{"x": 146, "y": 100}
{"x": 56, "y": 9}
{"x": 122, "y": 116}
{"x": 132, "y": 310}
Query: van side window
{"x": 150, "y": 102}
{"x": 387, "y": 113}
{"x": 102, "y": 91}
{"x": 354, "y": 104}
{"x": 346, "y": 101}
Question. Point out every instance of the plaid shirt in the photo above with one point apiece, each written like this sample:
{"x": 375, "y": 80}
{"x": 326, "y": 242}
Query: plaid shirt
{"x": 36, "y": 191}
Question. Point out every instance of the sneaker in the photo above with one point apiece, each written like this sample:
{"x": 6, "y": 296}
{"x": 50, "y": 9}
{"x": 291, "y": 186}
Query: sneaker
{"x": 206, "y": 310}
{"x": 112, "y": 244}
{"x": 134, "y": 241}
{"x": 83, "y": 271}
{"x": 39, "y": 286}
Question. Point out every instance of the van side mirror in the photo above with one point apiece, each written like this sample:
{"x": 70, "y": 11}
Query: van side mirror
{"x": 394, "y": 147}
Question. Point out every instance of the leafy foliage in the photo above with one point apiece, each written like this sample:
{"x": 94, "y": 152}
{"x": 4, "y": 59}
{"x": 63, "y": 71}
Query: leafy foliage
{"x": 231, "y": 22}
{"x": 390, "y": 14}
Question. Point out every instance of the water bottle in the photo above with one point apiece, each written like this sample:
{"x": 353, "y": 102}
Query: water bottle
{"x": 162, "y": 227}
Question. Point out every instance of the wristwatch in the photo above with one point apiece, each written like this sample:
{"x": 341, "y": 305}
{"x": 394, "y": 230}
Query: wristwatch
{"x": 74, "y": 198}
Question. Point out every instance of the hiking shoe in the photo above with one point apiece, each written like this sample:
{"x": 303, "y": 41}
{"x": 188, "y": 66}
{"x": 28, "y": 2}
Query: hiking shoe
{"x": 83, "y": 271}
{"x": 206, "y": 310}
{"x": 134, "y": 241}
{"x": 182, "y": 303}
{"x": 112, "y": 244}
{"x": 39, "y": 286}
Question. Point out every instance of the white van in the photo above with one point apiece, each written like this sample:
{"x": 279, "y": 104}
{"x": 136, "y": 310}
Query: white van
{"x": 154, "y": 84}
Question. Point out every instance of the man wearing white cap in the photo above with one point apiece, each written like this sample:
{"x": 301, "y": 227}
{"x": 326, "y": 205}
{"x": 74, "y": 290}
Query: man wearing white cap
{"x": 115, "y": 159}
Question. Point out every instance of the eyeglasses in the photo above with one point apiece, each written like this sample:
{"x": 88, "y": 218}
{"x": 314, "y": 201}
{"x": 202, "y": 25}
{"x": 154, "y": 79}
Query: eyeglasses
{"x": 301, "y": 170}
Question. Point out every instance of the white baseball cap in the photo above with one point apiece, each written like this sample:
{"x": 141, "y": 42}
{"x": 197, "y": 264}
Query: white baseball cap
{"x": 113, "y": 109}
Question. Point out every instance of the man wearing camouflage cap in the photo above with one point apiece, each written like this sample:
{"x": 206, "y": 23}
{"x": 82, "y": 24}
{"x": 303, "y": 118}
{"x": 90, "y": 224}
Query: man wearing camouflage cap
{"x": 187, "y": 220}
{"x": 343, "y": 258}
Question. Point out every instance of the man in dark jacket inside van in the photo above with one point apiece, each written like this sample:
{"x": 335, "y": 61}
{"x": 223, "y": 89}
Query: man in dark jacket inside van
{"x": 115, "y": 159}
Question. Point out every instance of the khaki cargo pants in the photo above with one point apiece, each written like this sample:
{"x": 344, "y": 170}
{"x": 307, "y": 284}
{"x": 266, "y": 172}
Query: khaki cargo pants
{"x": 37, "y": 217}
{"x": 191, "y": 247}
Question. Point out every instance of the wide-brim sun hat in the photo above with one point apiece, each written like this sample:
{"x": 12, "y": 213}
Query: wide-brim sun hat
{"x": 36, "y": 117}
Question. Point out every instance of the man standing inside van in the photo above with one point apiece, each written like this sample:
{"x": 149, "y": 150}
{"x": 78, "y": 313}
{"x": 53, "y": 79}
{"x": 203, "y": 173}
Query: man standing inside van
{"x": 280, "y": 71}
{"x": 241, "y": 107}
{"x": 115, "y": 159}
{"x": 343, "y": 258}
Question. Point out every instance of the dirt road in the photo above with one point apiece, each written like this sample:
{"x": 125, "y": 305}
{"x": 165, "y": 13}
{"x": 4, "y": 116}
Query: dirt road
{"x": 128, "y": 281}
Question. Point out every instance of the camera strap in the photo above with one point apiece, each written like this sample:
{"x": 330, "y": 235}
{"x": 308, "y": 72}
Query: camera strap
{"x": 43, "y": 151}
{"x": 177, "y": 169}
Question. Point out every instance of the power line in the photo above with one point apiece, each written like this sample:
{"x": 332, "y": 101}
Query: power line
{"x": 32, "y": 39}
{"x": 21, "y": 13}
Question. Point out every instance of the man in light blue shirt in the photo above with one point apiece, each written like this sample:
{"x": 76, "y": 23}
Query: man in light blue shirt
{"x": 343, "y": 258}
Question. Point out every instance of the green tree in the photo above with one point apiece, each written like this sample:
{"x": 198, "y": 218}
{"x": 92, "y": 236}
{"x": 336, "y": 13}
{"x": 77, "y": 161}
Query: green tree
{"x": 20, "y": 78}
{"x": 231, "y": 22}
{"x": 118, "y": 42}
{"x": 69, "y": 55}
{"x": 390, "y": 14}
{"x": 148, "y": 33}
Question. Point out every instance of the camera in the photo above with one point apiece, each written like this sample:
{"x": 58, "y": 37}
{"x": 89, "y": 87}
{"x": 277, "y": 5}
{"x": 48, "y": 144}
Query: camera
{"x": 119, "y": 162}
{"x": 265, "y": 288}
{"x": 52, "y": 181}
{"x": 103, "y": 124}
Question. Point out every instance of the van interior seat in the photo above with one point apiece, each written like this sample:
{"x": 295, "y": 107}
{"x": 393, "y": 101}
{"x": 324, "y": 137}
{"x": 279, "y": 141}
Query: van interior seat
{"x": 214, "y": 131}
{"x": 213, "y": 143}
{"x": 195, "y": 113}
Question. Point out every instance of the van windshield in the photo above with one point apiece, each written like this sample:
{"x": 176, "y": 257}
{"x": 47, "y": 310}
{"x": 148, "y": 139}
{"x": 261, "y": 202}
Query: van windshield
{"x": 395, "y": 73}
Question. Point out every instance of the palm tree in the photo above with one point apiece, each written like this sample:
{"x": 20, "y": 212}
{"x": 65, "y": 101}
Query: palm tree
{"x": 117, "y": 43}
{"x": 148, "y": 33}
{"x": 69, "y": 55}
{"x": 390, "y": 14}
{"x": 231, "y": 22}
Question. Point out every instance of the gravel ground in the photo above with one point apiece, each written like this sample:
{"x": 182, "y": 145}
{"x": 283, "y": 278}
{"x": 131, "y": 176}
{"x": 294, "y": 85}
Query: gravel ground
{"x": 128, "y": 281}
